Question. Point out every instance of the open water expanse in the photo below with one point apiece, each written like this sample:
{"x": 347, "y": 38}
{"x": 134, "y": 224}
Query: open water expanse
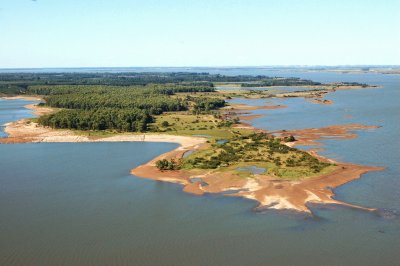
{"x": 77, "y": 204}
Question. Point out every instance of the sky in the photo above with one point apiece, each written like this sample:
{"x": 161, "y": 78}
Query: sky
{"x": 123, "y": 33}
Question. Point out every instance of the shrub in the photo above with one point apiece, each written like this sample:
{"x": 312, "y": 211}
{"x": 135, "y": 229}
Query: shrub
{"x": 164, "y": 164}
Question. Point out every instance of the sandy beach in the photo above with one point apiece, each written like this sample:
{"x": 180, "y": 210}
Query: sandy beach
{"x": 244, "y": 107}
{"x": 23, "y": 97}
{"x": 24, "y": 131}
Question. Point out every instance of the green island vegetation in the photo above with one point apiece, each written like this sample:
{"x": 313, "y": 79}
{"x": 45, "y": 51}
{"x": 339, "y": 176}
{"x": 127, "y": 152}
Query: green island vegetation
{"x": 249, "y": 149}
{"x": 103, "y": 104}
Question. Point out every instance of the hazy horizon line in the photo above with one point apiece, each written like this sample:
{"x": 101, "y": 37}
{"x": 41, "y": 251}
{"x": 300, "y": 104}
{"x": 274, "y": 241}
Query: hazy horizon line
{"x": 220, "y": 66}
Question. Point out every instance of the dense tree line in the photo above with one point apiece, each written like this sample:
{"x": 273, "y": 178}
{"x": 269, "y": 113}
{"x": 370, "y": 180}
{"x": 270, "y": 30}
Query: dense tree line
{"x": 99, "y": 119}
{"x": 167, "y": 89}
{"x": 154, "y": 104}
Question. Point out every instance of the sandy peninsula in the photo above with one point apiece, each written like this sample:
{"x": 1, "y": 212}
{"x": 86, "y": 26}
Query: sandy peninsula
{"x": 268, "y": 191}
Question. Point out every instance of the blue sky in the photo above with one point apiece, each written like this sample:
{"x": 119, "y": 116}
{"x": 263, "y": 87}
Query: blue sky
{"x": 96, "y": 33}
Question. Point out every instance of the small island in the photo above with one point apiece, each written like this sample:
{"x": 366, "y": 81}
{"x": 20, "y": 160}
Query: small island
{"x": 219, "y": 153}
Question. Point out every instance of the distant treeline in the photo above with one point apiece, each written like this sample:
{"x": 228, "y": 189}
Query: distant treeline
{"x": 166, "y": 89}
{"x": 294, "y": 82}
{"x": 18, "y": 83}
{"x": 281, "y": 82}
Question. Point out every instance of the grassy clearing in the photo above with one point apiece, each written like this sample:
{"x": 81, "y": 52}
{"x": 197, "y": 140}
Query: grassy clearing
{"x": 188, "y": 125}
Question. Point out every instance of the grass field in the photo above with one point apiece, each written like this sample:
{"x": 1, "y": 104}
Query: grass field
{"x": 186, "y": 124}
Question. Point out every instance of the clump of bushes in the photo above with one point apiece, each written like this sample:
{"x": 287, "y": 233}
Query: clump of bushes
{"x": 289, "y": 139}
{"x": 164, "y": 164}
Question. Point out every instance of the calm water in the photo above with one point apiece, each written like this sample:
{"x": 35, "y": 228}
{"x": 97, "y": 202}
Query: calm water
{"x": 76, "y": 204}
{"x": 12, "y": 110}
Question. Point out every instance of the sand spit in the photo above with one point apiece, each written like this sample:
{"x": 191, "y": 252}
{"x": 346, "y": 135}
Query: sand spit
{"x": 311, "y": 136}
{"x": 21, "y": 97}
{"x": 242, "y": 107}
{"x": 38, "y": 111}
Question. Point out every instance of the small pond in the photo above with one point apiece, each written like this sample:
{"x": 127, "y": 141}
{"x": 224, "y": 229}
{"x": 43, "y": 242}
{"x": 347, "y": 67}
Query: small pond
{"x": 253, "y": 169}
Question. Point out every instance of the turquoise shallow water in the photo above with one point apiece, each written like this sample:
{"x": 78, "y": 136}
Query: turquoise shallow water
{"x": 76, "y": 204}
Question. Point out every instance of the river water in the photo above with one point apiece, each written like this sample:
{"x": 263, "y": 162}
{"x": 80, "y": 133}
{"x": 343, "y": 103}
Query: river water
{"x": 77, "y": 204}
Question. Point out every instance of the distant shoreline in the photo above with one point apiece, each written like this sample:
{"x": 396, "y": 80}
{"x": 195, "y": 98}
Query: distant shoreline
{"x": 373, "y": 69}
